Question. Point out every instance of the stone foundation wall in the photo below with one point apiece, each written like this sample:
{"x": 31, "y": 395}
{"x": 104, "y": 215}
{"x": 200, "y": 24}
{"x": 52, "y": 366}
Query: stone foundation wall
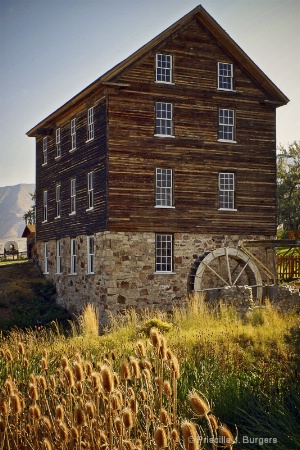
{"x": 125, "y": 270}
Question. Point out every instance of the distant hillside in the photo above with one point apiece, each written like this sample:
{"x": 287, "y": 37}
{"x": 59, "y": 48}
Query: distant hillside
{"x": 14, "y": 202}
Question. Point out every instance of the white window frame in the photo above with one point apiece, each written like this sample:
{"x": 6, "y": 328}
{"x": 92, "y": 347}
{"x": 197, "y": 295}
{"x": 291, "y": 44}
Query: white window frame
{"x": 46, "y": 257}
{"x": 226, "y": 129}
{"x": 90, "y": 254}
{"x": 90, "y": 182}
{"x": 163, "y": 253}
{"x": 58, "y": 257}
{"x": 90, "y": 118}
{"x": 225, "y": 76}
{"x": 164, "y": 119}
{"x": 73, "y": 134}
{"x": 45, "y": 206}
{"x": 226, "y": 184}
{"x": 58, "y": 200}
{"x": 163, "y": 188}
{"x": 164, "y": 68}
{"x": 58, "y": 142}
{"x": 73, "y": 196}
{"x": 45, "y": 150}
{"x": 73, "y": 251}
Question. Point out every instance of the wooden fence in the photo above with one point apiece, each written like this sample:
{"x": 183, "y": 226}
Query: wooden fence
{"x": 288, "y": 267}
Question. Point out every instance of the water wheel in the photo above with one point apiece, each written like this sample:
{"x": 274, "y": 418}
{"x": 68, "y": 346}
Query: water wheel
{"x": 227, "y": 266}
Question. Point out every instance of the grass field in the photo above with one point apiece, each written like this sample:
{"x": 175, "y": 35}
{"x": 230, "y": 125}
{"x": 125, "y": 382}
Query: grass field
{"x": 202, "y": 376}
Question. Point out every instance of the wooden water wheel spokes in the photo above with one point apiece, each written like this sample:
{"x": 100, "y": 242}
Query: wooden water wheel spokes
{"x": 227, "y": 266}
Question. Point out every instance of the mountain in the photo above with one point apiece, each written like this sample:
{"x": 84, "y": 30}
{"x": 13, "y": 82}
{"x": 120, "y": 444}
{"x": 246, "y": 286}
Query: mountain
{"x": 14, "y": 202}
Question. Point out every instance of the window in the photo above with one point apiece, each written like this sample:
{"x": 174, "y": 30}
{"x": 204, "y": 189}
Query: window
{"x": 46, "y": 258}
{"x": 73, "y": 256}
{"x": 164, "y": 119}
{"x": 225, "y": 76}
{"x": 91, "y": 190}
{"x": 45, "y": 150}
{"x": 226, "y": 125}
{"x": 45, "y": 206}
{"x": 226, "y": 190}
{"x": 164, "y": 253}
{"x": 58, "y": 143}
{"x": 90, "y": 124}
{"x": 58, "y": 257}
{"x": 91, "y": 253}
{"x": 73, "y": 134}
{"x": 58, "y": 200}
{"x": 164, "y": 68}
{"x": 164, "y": 188}
{"x": 73, "y": 196}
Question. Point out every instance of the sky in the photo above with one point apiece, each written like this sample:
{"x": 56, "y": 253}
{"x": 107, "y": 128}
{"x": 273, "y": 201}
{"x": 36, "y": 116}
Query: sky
{"x": 52, "y": 49}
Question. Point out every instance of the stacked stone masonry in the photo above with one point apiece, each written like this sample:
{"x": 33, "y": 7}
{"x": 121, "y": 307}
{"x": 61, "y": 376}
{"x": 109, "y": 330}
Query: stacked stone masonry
{"x": 124, "y": 274}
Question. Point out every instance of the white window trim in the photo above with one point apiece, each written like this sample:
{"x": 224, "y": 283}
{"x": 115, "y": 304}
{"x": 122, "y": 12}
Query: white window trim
{"x": 90, "y": 256}
{"x": 169, "y": 188}
{"x": 45, "y": 151}
{"x": 171, "y": 257}
{"x": 58, "y": 143}
{"x": 233, "y": 127}
{"x": 170, "y": 70}
{"x": 90, "y": 191}
{"x": 45, "y": 206}
{"x": 231, "y": 77}
{"x": 90, "y": 125}
{"x": 228, "y": 141}
{"x": 72, "y": 196}
{"x": 58, "y": 200}
{"x": 73, "y": 134}
{"x": 58, "y": 258}
{"x": 228, "y": 190}
{"x": 46, "y": 258}
{"x": 73, "y": 257}
{"x": 171, "y": 120}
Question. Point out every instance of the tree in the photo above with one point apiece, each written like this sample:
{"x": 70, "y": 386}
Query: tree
{"x": 29, "y": 216}
{"x": 288, "y": 186}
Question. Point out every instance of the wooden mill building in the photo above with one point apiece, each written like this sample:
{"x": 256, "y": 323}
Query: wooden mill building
{"x": 167, "y": 156}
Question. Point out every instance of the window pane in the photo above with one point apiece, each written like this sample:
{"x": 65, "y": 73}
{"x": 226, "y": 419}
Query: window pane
{"x": 164, "y": 253}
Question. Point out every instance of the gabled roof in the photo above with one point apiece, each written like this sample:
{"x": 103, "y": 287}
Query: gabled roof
{"x": 199, "y": 13}
{"x": 29, "y": 229}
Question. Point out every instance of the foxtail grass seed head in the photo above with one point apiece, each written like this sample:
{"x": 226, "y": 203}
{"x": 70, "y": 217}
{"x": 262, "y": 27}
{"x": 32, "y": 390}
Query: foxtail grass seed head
{"x": 33, "y": 393}
{"x": 74, "y": 433}
{"x": 64, "y": 362}
{"x": 59, "y": 413}
{"x": 36, "y": 412}
{"x": 162, "y": 348}
{"x": 107, "y": 379}
{"x": 9, "y": 356}
{"x": 79, "y": 417}
{"x": 226, "y": 434}
{"x": 118, "y": 426}
{"x": 88, "y": 369}
{"x": 79, "y": 388}
{"x": 127, "y": 418}
{"x": 125, "y": 370}
{"x": 3, "y": 407}
{"x": 45, "y": 353}
{"x": 190, "y": 436}
{"x": 78, "y": 372}
{"x": 133, "y": 405}
{"x": 167, "y": 388}
{"x": 16, "y": 404}
{"x": 175, "y": 367}
{"x": 213, "y": 422}
{"x": 46, "y": 444}
{"x": 47, "y": 423}
{"x": 116, "y": 402}
{"x": 175, "y": 435}
{"x": 160, "y": 438}
{"x": 69, "y": 376}
{"x": 135, "y": 367}
{"x": 164, "y": 417}
{"x": 141, "y": 349}
{"x": 90, "y": 409}
{"x": 44, "y": 363}
{"x": 116, "y": 379}
{"x": 63, "y": 432}
{"x": 9, "y": 387}
{"x": 96, "y": 382}
{"x": 21, "y": 349}
{"x": 155, "y": 337}
{"x": 143, "y": 395}
{"x": 199, "y": 405}
{"x": 43, "y": 383}
{"x": 127, "y": 445}
{"x": 147, "y": 375}
{"x": 52, "y": 381}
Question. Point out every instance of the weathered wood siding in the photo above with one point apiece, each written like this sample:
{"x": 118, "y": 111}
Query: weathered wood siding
{"x": 87, "y": 157}
{"x": 194, "y": 154}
